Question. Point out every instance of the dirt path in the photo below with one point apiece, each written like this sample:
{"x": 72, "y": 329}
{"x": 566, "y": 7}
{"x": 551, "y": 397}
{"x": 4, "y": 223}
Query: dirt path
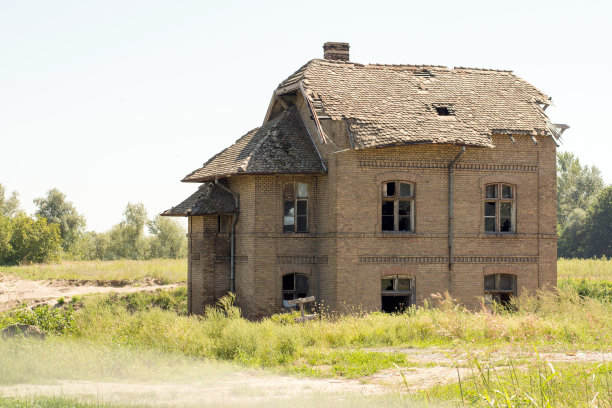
{"x": 238, "y": 389}
{"x": 448, "y": 356}
{"x": 15, "y": 291}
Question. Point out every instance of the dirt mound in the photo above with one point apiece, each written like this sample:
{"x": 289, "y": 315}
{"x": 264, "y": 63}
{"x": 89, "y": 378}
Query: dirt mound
{"x": 22, "y": 329}
{"x": 15, "y": 291}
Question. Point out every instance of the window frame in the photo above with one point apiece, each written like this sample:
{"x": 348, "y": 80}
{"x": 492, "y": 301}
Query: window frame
{"x": 495, "y": 294}
{"x": 498, "y": 200}
{"x": 295, "y": 200}
{"x": 396, "y": 199}
{"x": 295, "y": 292}
{"x": 224, "y": 223}
{"x": 396, "y": 291}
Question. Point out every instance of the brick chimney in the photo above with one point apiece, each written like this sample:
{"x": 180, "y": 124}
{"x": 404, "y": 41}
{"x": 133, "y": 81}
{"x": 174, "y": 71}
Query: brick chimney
{"x": 338, "y": 51}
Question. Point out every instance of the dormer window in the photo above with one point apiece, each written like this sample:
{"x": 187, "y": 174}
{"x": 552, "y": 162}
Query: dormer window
{"x": 444, "y": 111}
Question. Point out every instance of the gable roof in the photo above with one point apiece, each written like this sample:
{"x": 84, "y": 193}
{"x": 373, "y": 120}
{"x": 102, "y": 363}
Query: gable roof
{"x": 208, "y": 199}
{"x": 282, "y": 145}
{"x": 387, "y": 105}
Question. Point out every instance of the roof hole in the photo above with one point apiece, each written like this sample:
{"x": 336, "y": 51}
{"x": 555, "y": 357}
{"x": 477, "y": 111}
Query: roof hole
{"x": 423, "y": 73}
{"x": 444, "y": 111}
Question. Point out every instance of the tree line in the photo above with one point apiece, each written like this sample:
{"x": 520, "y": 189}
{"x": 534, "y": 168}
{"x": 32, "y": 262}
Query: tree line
{"x": 584, "y": 210}
{"x": 58, "y": 231}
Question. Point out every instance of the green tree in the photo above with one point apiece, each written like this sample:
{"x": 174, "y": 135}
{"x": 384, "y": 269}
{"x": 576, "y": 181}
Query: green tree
{"x": 572, "y": 236}
{"x": 599, "y": 225}
{"x": 127, "y": 239}
{"x": 92, "y": 245}
{"x": 9, "y": 206}
{"x": 577, "y": 185}
{"x": 6, "y": 231}
{"x": 169, "y": 239}
{"x": 57, "y": 210}
{"x": 34, "y": 240}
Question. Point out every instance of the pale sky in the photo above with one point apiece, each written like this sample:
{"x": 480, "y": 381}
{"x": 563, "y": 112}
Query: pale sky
{"x": 115, "y": 101}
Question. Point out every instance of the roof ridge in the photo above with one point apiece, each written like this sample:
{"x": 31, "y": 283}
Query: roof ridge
{"x": 484, "y": 69}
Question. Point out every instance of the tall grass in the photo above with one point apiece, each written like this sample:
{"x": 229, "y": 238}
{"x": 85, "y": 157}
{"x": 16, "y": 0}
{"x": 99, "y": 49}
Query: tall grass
{"x": 536, "y": 384}
{"x": 590, "y": 269}
{"x": 564, "y": 321}
{"x": 161, "y": 270}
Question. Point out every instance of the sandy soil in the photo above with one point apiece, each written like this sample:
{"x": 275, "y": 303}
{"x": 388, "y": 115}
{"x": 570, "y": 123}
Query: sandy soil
{"x": 236, "y": 389}
{"x": 15, "y": 291}
{"x": 448, "y": 357}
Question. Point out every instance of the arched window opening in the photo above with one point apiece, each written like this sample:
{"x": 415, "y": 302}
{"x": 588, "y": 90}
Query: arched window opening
{"x": 499, "y": 288}
{"x": 397, "y": 206}
{"x": 295, "y": 285}
{"x": 397, "y": 292}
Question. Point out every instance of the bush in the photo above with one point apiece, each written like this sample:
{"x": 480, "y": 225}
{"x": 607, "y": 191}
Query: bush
{"x": 31, "y": 240}
{"x": 49, "y": 320}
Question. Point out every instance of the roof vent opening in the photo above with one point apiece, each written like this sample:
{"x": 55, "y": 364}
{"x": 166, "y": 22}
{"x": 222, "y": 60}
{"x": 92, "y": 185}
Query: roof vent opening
{"x": 424, "y": 73}
{"x": 444, "y": 111}
{"x": 338, "y": 51}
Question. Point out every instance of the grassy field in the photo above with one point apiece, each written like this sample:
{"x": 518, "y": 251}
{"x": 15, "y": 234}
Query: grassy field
{"x": 577, "y": 318}
{"x": 162, "y": 270}
{"x": 589, "y": 269}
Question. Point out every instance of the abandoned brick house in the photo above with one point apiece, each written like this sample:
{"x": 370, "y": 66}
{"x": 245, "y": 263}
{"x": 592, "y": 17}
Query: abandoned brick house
{"x": 378, "y": 186}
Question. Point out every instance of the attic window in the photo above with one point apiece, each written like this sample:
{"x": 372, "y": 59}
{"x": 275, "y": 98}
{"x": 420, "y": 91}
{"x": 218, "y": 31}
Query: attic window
{"x": 444, "y": 111}
{"x": 423, "y": 73}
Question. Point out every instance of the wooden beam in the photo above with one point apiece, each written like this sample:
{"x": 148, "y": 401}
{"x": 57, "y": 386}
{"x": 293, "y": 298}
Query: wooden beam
{"x": 301, "y": 301}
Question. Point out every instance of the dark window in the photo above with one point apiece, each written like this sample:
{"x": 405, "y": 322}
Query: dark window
{"x": 295, "y": 207}
{"x": 499, "y": 208}
{"x": 443, "y": 111}
{"x": 499, "y": 288}
{"x": 397, "y": 210}
{"x": 295, "y": 286}
{"x": 397, "y": 293}
{"x": 224, "y": 223}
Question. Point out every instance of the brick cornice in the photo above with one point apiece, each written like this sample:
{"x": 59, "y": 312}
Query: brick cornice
{"x": 406, "y": 164}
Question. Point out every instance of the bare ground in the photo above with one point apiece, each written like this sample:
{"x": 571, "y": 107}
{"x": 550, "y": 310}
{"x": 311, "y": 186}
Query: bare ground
{"x": 237, "y": 389}
{"x": 15, "y": 291}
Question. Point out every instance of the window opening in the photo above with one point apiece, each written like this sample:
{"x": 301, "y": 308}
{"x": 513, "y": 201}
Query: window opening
{"x": 224, "y": 223}
{"x": 499, "y": 208}
{"x": 295, "y": 207}
{"x": 295, "y": 286}
{"x": 397, "y": 206}
{"x": 499, "y": 288}
{"x": 397, "y": 293}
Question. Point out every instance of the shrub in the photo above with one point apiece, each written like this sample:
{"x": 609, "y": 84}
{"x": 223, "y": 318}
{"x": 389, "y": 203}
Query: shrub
{"x": 49, "y": 320}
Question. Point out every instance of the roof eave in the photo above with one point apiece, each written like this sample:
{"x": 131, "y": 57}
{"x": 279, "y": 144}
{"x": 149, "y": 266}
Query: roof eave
{"x": 220, "y": 176}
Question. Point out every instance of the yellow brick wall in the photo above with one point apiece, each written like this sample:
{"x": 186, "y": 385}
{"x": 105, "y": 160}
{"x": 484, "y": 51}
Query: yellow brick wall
{"x": 345, "y": 253}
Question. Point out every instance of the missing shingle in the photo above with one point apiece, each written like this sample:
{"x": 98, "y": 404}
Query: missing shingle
{"x": 444, "y": 111}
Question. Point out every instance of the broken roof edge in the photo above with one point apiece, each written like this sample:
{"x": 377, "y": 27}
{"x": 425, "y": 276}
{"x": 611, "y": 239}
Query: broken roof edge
{"x": 423, "y": 142}
{"x": 184, "y": 179}
{"x": 208, "y": 199}
{"x": 223, "y": 176}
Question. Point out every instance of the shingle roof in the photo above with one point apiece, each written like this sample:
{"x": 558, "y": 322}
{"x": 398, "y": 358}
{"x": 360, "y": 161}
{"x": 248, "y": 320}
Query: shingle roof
{"x": 388, "y": 105}
{"x": 208, "y": 199}
{"x": 282, "y": 145}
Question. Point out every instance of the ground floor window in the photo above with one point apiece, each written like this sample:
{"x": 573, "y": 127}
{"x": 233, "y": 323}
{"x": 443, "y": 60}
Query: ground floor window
{"x": 295, "y": 286}
{"x": 397, "y": 293}
{"x": 499, "y": 288}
